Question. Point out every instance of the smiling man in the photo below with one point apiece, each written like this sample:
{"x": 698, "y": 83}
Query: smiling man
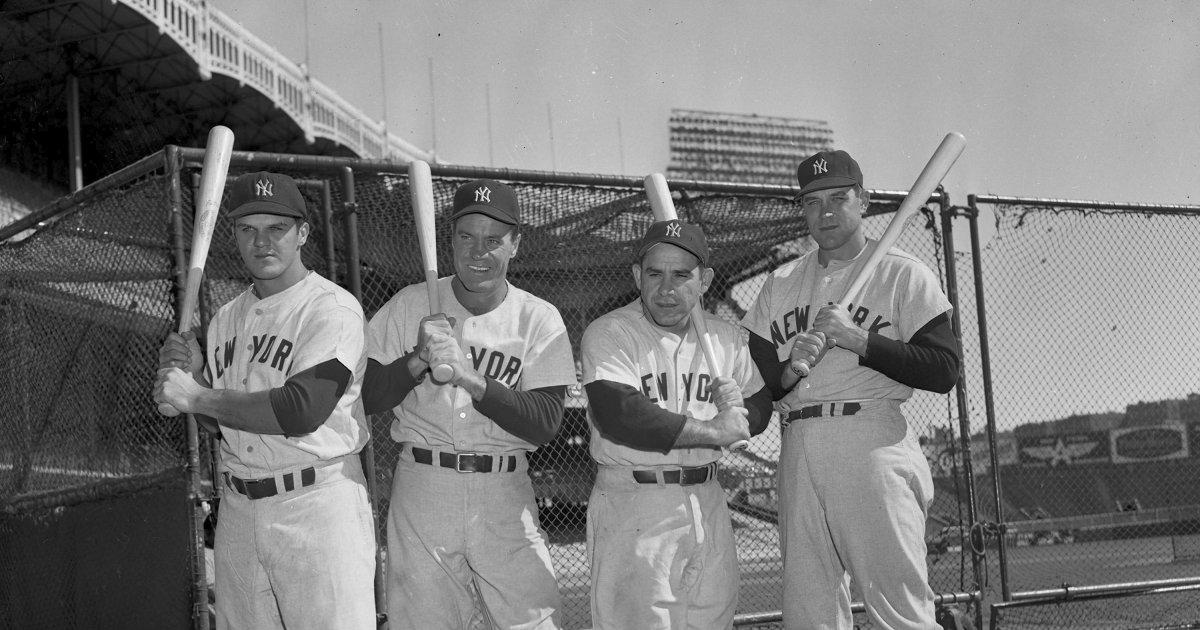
{"x": 295, "y": 546}
{"x": 462, "y": 518}
{"x": 854, "y": 485}
{"x": 659, "y": 530}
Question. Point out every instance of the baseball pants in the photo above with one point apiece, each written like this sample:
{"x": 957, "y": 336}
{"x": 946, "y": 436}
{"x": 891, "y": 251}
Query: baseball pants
{"x": 854, "y": 493}
{"x": 301, "y": 559}
{"x": 662, "y": 556}
{"x": 453, "y": 533}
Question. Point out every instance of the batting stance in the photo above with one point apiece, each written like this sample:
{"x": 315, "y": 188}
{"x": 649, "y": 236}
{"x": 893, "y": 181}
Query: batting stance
{"x": 659, "y": 532}
{"x": 295, "y": 545}
{"x": 462, "y": 515}
{"x": 854, "y": 484}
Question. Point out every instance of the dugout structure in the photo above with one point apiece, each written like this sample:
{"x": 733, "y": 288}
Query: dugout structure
{"x": 90, "y": 284}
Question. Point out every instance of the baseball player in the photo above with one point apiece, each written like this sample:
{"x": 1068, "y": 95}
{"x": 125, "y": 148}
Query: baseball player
{"x": 463, "y": 517}
{"x": 854, "y": 484}
{"x": 295, "y": 544}
{"x": 658, "y": 527}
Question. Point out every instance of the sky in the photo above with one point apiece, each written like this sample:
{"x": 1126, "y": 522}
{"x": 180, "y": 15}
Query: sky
{"x": 1081, "y": 100}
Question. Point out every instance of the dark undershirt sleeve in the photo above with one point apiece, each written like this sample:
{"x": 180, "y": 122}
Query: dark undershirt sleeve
{"x": 930, "y": 359}
{"x": 758, "y": 408}
{"x": 762, "y": 352}
{"x": 384, "y": 386}
{"x": 303, "y": 403}
{"x": 625, "y": 416}
{"x": 533, "y": 416}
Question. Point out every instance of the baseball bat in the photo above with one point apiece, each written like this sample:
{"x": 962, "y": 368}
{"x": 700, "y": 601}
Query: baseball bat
{"x": 208, "y": 204}
{"x": 935, "y": 169}
{"x": 420, "y": 186}
{"x": 663, "y": 207}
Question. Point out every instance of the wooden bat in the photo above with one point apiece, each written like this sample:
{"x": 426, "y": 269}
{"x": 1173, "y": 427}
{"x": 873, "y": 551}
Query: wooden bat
{"x": 664, "y": 210}
{"x": 935, "y": 169}
{"x": 208, "y": 204}
{"x": 420, "y": 186}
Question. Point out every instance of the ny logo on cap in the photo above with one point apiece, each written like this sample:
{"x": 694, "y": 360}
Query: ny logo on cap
{"x": 820, "y": 166}
{"x": 673, "y": 229}
{"x": 263, "y": 188}
{"x": 483, "y": 193}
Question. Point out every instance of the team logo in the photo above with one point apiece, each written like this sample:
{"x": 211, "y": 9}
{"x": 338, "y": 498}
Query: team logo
{"x": 484, "y": 194}
{"x": 264, "y": 188}
{"x": 820, "y": 166}
{"x": 673, "y": 230}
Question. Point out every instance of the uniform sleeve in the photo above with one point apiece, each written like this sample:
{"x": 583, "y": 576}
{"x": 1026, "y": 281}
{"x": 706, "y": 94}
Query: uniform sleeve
{"x": 303, "y": 403}
{"x": 769, "y": 366}
{"x": 754, "y": 392}
{"x": 335, "y": 332}
{"x": 549, "y": 360}
{"x": 385, "y": 386}
{"x": 385, "y": 333}
{"x": 919, "y": 299}
{"x": 758, "y": 319}
{"x": 533, "y": 415}
{"x": 625, "y": 416}
{"x": 929, "y": 360}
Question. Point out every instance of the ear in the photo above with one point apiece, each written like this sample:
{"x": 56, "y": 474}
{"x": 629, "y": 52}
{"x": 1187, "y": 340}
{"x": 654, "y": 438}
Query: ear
{"x": 637, "y": 275}
{"x": 706, "y": 277}
{"x": 302, "y": 233}
{"x": 516, "y": 244}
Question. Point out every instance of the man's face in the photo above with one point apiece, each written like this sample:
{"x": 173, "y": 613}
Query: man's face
{"x": 483, "y": 248}
{"x": 269, "y": 244}
{"x": 671, "y": 282}
{"x": 834, "y": 216}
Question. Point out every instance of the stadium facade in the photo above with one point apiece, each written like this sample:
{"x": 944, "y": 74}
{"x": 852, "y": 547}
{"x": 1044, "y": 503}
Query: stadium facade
{"x": 727, "y": 147}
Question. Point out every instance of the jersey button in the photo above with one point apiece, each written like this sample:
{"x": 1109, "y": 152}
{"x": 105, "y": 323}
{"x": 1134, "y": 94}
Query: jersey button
{"x": 258, "y": 311}
{"x": 243, "y": 381}
{"x": 463, "y": 415}
{"x": 249, "y": 449}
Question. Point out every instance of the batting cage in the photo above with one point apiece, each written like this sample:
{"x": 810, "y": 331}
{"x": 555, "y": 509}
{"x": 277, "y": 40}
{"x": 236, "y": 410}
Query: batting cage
{"x": 91, "y": 284}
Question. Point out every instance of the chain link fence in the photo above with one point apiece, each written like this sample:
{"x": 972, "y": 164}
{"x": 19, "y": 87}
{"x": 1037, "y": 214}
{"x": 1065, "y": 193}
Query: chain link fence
{"x": 1089, "y": 313}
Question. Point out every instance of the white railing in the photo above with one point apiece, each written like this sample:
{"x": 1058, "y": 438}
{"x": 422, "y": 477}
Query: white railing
{"x": 218, "y": 44}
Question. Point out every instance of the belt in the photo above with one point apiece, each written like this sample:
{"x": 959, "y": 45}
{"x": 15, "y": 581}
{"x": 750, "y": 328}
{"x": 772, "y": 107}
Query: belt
{"x": 263, "y": 488}
{"x": 823, "y": 409}
{"x": 466, "y": 462}
{"x": 687, "y": 476}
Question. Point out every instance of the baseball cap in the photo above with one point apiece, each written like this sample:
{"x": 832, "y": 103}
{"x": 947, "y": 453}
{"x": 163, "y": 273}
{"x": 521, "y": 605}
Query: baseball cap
{"x": 828, "y": 169}
{"x": 487, "y": 197}
{"x": 266, "y": 193}
{"x": 675, "y": 232}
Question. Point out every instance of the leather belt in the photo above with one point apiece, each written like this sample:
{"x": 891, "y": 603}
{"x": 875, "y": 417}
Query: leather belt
{"x": 688, "y": 476}
{"x": 823, "y": 409}
{"x": 466, "y": 462}
{"x": 263, "y": 488}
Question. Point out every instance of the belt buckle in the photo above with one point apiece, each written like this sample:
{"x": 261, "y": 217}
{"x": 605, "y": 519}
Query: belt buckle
{"x": 458, "y": 461}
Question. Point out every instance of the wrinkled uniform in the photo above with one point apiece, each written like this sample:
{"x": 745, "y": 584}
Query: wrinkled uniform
{"x": 854, "y": 489}
{"x": 450, "y": 533}
{"x": 307, "y": 553}
{"x": 662, "y": 556}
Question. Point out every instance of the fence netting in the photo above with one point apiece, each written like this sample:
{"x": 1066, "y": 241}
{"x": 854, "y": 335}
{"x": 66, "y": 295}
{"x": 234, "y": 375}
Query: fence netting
{"x": 1091, "y": 322}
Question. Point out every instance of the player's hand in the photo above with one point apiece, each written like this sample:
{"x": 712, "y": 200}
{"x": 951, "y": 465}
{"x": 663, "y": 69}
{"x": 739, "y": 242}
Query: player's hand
{"x": 443, "y": 349}
{"x": 730, "y": 425}
{"x": 177, "y": 388}
{"x": 726, "y": 393}
{"x": 430, "y": 326}
{"x": 808, "y": 348}
{"x": 834, "y": 322}
{"x": 181, "y": 351}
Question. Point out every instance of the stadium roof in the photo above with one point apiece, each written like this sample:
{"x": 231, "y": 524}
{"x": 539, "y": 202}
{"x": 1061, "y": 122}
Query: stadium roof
{"x": 156, "y": 73}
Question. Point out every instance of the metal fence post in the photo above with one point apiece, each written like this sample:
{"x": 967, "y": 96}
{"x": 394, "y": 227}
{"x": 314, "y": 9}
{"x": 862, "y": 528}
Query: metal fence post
{"x": 174, "y": 166}
{"x": 354, "y": 280}
{"x": 947, "y": 212}
{"x": 989, "y": 406}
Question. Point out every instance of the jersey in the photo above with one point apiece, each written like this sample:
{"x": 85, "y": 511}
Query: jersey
{"x": 625, "y": 347}
{"x": 522, "y": 343}
{"x": 256, "y": 344}
{"x": 901, "y": 296}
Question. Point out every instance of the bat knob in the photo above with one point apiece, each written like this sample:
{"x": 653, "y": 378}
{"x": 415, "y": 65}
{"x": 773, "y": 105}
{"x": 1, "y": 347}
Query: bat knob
{"x": 739, "y": 446}
{"x": 442, "y": 373}
{"x": 168, "y": 410}
{"x": 801, "y": 368}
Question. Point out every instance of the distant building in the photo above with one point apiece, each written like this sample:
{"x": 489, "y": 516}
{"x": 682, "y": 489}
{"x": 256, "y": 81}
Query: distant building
{"x": 716, "y": 146}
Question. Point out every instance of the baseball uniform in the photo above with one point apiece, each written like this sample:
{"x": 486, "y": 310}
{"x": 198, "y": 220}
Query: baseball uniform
{"x": 463, "y": 517}
{"x": 295, "y": 542}
{"x": 661, "y": 543}
{"x": 854, "y": 484}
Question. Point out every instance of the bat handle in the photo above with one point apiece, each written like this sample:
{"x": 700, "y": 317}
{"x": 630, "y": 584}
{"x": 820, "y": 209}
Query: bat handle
{"x": 801, "y": 367}
{"x": 168, "y": 410}
{"x": 442, "y": 372}
{"x": 739, "y": 446}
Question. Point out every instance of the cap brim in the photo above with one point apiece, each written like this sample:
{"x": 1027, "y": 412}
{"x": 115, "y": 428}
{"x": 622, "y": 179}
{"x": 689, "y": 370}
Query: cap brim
{"x": 826, "y": 183}
{"x": 488, "y": 211}
{"x": 699, "y": 257}
{"x": 265, "y": 207}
